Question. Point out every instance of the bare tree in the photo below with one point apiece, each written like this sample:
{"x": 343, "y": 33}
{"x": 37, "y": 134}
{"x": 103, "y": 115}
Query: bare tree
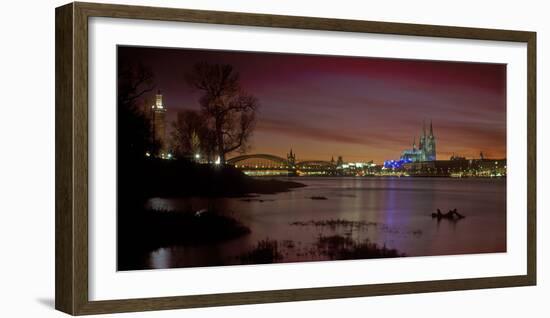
{"x": 134, "y": 132}
{"x": 134, "y": 80}
{"x": 191, "y": 136}
{"x": 229, "y": 110}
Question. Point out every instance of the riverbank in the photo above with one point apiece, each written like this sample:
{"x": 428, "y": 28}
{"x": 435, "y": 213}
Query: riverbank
{"x": 145, "y": 230}
{"x": 178, "y": 178}
{"x": 142, "y": 230}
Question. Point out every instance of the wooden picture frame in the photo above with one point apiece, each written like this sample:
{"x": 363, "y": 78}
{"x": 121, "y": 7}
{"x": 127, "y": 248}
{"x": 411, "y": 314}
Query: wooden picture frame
{"x": 72, "y": 280}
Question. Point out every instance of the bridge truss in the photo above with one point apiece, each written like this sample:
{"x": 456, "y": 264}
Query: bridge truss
{"x": 266, "y": 164}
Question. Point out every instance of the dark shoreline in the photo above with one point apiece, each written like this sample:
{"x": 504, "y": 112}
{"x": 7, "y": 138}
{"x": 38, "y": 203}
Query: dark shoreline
{"x": 141, "y": 230}
{"x": 145, "y": 179}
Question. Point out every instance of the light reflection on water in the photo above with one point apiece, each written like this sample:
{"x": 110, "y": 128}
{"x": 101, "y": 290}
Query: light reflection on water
{"x": 400, "y": 206}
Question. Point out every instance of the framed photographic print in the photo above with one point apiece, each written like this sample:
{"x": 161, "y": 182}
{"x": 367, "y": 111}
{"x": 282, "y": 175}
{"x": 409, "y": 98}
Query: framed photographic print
{"x": 217, "y": 158}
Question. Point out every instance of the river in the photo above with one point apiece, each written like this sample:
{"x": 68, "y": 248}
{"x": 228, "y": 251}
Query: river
{"x": 394, "y": 213}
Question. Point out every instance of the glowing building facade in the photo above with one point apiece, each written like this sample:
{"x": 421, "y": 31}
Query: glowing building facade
{"x": 425, "y": 150}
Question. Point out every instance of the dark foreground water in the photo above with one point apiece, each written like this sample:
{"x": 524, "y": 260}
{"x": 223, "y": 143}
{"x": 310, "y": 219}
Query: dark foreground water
{"x": 391, "y": 212}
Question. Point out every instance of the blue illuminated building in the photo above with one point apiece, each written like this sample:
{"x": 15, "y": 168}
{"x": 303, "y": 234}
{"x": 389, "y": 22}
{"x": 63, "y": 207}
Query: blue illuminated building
{"x": 396, "y": 164}
{"x": 424, "y": 152}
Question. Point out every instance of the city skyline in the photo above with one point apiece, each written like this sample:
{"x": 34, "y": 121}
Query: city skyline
{"x": 360, "y": 108}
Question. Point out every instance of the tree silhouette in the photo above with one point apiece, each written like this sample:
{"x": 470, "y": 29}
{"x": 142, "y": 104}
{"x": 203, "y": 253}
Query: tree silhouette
{"x": 229, "y": 111}
{"x": 191, "y": 136}
{"x": 134, "y": 128}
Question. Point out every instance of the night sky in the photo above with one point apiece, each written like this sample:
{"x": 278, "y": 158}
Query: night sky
{"x": 360, "y": 108}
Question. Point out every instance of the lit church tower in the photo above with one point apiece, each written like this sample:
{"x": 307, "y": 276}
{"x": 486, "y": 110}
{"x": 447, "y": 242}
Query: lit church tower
{"x": 291, "y": 157}
{"x": 430, "y": 145}
{"x": 425, "y": 150}
{"x": 422, "y": 142}
{"x": 159, "y": 124}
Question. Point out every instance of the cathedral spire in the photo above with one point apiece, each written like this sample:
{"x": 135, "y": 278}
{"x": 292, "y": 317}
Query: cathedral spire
{"x": 424, "y": 127}
{"x": 414, "y": 143}
{"x": 431, "y": 129}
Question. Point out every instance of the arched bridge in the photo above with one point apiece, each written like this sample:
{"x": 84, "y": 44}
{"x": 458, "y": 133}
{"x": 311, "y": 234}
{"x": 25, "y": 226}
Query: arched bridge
{"x": 267, "y": 164}
{"x": 261, "y": 156}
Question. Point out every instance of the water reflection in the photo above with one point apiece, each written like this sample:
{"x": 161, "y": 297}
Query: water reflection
{"x": 397, "y": 211}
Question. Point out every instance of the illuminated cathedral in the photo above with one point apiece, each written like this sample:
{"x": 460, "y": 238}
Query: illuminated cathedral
{"x": 425, "y": 150}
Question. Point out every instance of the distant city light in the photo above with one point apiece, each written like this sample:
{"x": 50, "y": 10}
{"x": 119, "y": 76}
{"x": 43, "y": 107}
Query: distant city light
{"x": 197, "y": 156}
{"x": 218, "y": 160}
{"x": 147, "y": 154}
